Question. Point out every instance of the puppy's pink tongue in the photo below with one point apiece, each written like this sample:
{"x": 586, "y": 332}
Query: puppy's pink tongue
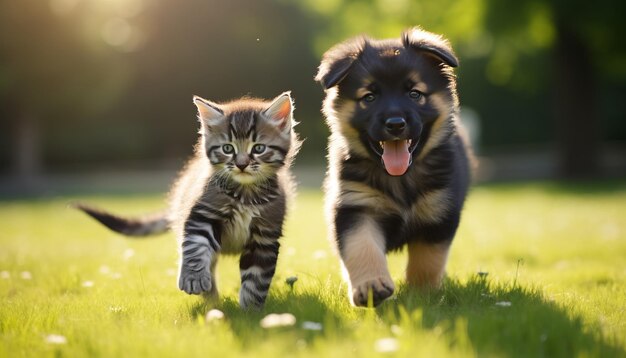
{"x": 396, "y": 156}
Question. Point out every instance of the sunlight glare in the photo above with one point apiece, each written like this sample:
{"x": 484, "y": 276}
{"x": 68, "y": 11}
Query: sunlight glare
{"x": 63, "y": 7}
{"x": 116, "y": 32}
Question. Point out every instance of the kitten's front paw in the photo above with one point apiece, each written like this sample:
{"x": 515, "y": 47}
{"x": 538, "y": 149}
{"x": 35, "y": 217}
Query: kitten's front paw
{"x": 381, "y": 288}
{"x": 194, "y": 282}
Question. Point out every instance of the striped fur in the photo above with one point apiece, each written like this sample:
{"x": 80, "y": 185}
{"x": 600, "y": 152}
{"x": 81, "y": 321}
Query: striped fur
{"x": 231, "y": 198}
{"x": 379, "y": 201}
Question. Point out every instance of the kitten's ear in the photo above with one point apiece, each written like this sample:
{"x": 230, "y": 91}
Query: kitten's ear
{"x": 280, "y": 111}
{"x": 207, "y": 111}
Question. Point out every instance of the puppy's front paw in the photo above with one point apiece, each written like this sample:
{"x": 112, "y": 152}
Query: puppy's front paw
{"x": 381, "y": 287}
{"x": 194, "y": 282}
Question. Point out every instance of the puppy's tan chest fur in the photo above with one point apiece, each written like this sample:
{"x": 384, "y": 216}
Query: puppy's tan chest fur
{"x": 429, "y": 207}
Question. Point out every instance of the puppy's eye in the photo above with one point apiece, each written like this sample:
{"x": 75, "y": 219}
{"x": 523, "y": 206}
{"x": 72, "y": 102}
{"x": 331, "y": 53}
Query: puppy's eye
{"x": 370, "y": 97}
{"x": 415, "y": 94}
{"x": 228, "y": 149}
{"x": 258, "y": 148}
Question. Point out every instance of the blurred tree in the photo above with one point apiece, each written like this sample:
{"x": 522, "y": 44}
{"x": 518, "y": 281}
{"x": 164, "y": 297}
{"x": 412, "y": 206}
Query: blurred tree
{"x": 585, "y": 43}
{"x": 51, "y": 75}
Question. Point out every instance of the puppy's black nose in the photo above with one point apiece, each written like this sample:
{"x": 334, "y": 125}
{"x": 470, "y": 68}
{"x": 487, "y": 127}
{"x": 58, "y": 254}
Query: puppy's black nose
{"x": 395, "y": 125}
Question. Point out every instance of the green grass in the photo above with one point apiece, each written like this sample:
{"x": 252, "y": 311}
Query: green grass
{"x": 555, "y": 252}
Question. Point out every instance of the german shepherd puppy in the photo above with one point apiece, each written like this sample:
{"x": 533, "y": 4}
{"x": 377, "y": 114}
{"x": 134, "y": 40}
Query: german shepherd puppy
{"x": 398, "y": 165}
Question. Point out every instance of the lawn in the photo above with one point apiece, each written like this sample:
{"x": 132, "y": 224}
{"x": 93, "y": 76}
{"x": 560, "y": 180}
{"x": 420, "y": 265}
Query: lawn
{"x": 537, "y": 270}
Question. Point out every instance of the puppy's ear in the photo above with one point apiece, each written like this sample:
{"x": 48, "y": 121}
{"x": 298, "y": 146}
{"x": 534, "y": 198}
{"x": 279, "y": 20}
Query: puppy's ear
{"x": 332, "y": 71}
{"x": 430, "y": 43}
{"x": 337, "y": 61}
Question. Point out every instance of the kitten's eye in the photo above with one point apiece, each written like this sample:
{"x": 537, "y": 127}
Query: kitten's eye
{"x": 228, "y": 149}
{"x": 258, "y": 148}
{"x": 415, "y": 94}
{"x": 369, "y": 97}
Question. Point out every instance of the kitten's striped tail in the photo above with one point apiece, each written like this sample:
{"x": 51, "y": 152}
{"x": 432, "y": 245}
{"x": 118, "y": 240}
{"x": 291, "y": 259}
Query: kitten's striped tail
{"x": 144, "y": 226}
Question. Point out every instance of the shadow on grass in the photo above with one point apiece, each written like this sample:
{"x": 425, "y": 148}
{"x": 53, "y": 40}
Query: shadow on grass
{"x": 501, "y": 320}
{"x": 497, "y": 319}
{"x": 305, "y": 306}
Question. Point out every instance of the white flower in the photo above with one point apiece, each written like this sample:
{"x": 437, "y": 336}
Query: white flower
{"x": 25, "y": 275}
{"x": 128, "y": 253}
{"x": 116, "y": 309}
{"x": 170, "y": 272}
{"x": 319, "y": 254}
{"x": 116, "y": 275}
{"x": 311, "y": 326}
{"x": 386, "y": 345}
{"x": 104, "y": 269}
{"x": 503, "y": 304}
{"x": 5, "y": 275}
{"x": 214, "y": 315}
{"x": 55, "y": 339}
{"x": 88, "y": 284}
{"x": 396, "y": 330}
{"x": 278, "y": 320}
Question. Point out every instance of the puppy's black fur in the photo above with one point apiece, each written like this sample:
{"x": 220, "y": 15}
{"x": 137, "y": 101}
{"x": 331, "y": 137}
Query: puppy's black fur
{"x": 398, "y": 163}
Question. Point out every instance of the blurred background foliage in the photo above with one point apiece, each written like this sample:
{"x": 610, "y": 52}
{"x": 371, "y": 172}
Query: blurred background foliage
{"x": 107, "y": 84}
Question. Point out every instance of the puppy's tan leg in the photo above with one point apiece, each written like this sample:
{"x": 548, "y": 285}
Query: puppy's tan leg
{"x": 364, "y": 262}
{"x": 427, "y": 264}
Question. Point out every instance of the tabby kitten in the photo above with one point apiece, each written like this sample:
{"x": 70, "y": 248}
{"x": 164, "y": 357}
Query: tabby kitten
{"x": 231, "y": 198}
